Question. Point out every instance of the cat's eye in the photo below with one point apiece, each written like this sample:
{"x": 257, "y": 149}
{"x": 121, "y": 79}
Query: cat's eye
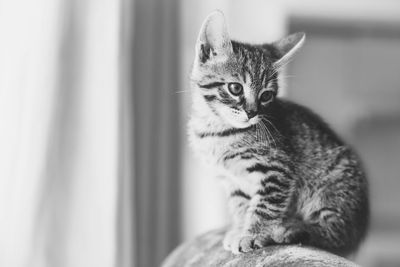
{"x": 266, "y": 96}
{"x": 235, "y": 88}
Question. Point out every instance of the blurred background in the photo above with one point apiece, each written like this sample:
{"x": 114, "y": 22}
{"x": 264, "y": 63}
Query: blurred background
{"x": 95, "y": 168}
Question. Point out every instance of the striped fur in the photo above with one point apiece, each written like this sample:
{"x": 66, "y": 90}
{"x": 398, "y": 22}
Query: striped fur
{"x": 289, "y": 177}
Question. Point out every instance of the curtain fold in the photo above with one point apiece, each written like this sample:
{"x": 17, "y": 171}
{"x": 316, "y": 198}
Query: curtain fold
{"x": 59, "y": 96}
{"x": 126, "y": 234}
{"x": 156, "y": 73}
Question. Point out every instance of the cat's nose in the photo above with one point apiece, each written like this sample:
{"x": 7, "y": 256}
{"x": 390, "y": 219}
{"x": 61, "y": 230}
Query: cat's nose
{"x": 251, "y": 113}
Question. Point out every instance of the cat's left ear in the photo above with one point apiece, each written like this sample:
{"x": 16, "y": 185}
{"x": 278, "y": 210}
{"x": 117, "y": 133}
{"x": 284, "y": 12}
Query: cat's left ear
{"x": 287, "y": 47}
{"x": 213, "y": 43}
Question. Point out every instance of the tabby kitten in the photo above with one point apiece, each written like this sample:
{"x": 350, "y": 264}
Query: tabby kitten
{"x": 289, "y": 177}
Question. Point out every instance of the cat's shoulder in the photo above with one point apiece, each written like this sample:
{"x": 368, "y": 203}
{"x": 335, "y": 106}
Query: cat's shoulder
{"x": 288, "y": 107}
{"x": 295, "y": 115}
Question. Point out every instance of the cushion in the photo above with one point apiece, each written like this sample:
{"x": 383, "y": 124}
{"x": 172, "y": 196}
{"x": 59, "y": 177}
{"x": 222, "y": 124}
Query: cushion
{"x": 207, "y": 250}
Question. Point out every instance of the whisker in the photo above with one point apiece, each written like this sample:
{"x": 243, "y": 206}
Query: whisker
{"x": 286, "y": 76}
{"x": 265, "y": 117}
{"x": 183, "y": 91}
{"x": 257, "y": 137}
{"x": 268, "y": 133}
{"x": 266, "y": 137}
{"x": 272, "y": 137}
{"x": 262, "y": 135}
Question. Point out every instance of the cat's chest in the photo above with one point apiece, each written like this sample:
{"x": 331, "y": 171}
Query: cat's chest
{"x": 212, "y": 148}
{"x": 214, "y": 143}
{"x": 219, "y": 151}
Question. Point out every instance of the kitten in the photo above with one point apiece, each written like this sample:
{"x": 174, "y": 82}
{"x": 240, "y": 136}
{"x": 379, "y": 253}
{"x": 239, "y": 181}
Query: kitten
{"x": 289, "y": 177}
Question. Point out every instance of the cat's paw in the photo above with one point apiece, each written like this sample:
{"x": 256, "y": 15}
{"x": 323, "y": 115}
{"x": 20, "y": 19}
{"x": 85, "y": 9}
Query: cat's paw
{"x": 237, "y": 242}
{"x": 229, "y": 238}
{"x": 295, "y": 236}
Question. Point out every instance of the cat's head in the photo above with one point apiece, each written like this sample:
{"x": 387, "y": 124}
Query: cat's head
{"x": 236, "y": 81}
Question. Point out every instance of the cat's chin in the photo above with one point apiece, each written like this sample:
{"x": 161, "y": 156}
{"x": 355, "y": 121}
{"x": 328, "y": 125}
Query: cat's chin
{"x": 244, "y": 124}
{"x": 238, "y": 122}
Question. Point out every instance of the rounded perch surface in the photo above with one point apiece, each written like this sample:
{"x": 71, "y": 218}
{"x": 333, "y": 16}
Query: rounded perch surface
{"x": 207, "y": 250}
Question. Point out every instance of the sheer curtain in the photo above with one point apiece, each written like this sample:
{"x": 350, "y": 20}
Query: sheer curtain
{"x": 59, "y": 133}
{"x": 157, "y": 129}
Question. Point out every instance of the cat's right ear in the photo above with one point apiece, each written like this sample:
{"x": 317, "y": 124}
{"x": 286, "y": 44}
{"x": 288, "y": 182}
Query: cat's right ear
{"x": 213, "y": 43}
{"x": 288, "y": 47}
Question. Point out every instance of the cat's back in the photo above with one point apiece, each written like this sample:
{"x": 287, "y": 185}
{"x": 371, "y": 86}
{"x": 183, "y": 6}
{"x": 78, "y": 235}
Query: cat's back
{"x": 300, "y": 122}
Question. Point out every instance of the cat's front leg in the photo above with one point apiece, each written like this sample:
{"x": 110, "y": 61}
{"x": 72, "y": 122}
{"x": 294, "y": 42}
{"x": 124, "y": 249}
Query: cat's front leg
{"x": 238, "y": 202}
{"x": 268, "y": 207}
{"x": 257, "y": 229}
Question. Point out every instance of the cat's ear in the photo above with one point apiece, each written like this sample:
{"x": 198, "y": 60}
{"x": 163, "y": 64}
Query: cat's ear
{"x": 287, "y": 47}
{"x": 213, "y": 42}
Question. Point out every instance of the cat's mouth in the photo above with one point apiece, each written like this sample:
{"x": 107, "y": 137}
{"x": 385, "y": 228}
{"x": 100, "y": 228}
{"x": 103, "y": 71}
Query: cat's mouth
{"x": 248, "y": 122}
{"x": 254, "y": 120}
{"x": 238, "y": 119}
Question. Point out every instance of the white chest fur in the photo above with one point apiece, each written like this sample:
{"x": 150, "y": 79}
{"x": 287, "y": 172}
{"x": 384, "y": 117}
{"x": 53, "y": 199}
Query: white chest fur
{"x": 213, "y": 149}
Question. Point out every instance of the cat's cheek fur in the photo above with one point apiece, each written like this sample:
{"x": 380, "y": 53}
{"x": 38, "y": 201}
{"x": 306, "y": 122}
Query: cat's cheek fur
{"x": 237, "y": 120}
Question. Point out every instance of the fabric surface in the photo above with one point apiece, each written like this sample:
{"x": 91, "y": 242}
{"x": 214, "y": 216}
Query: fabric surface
{"x": 207, "y": 250}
